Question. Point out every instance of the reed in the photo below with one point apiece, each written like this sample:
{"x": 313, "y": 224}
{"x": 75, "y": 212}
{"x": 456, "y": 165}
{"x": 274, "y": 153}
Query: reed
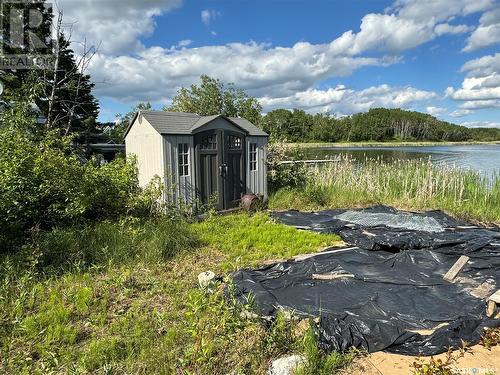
{"x": 417, "y": 184}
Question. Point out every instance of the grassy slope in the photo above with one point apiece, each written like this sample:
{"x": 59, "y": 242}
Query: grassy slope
{"x": 123, "y": 297}
{"x": 138, "y": 308}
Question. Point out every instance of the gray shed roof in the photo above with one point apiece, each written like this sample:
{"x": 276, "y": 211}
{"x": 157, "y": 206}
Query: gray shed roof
{"x": 187, "y": 123}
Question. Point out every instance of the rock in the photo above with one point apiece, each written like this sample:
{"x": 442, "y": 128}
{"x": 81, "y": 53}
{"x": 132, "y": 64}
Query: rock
{"x": 301, "y": 327}
{"x": 288, "y": 315}
{"x": 205, "y": 279}
{"x": 245, "y": 314}
{"x": 286, "y": 365}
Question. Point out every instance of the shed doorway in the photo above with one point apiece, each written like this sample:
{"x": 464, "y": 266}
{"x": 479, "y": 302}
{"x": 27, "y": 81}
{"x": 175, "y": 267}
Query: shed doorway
{"x": 220, "y": 167}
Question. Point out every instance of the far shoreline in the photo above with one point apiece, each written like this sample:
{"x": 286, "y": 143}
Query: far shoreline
{"x": 384, "y": 144}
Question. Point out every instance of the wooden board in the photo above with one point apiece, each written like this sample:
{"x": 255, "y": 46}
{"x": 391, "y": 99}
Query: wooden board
{"x": 298, "y": 258}
{"x": 456, "y": 268}
{"x": 495, "y": 297}
{"x": 332, "y": 276}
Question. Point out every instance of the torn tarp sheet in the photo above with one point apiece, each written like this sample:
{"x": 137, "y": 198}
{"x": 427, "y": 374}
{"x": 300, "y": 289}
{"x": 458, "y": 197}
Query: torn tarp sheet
{"x": 401, "y": 231}
{"x": 385, "y": 296}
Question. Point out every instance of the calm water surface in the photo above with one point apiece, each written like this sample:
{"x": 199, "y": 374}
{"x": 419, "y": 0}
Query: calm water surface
{"x": 482, "y": 158}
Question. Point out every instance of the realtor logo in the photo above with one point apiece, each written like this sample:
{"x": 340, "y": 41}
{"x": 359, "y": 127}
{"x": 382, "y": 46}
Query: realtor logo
{"x": 26, "y": 29}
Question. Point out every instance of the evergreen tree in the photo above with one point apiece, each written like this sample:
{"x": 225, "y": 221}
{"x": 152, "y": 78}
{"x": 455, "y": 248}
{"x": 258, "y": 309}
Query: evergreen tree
{"x": 74, "y": 107}
{"x": 64, "y": 92}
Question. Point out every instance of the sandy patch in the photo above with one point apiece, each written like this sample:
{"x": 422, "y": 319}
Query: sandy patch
{"x": 476, "y": 361}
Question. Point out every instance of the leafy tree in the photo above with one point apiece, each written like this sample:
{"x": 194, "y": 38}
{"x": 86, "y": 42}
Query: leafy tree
{"x": 212, "y": 97}
{"x": 283, "y": 124}
{"x": 277, "y": 124}
{"x": 378, "y": 124}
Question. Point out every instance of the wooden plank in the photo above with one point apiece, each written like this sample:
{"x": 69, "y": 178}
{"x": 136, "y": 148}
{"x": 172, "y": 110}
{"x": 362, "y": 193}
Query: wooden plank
{"x": 495, "y": 297}
{"x": 456, "y": 268}
{"x": 298, "y": 258}
{"x": 313, "y": 161}
{"x": 491, "y": 309}
{"x": 332, "y": 276}
{"x": 493, "y": 304}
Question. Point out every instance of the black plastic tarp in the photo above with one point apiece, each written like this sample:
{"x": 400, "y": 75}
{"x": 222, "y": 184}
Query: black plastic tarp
{"x": 390, "y": 285}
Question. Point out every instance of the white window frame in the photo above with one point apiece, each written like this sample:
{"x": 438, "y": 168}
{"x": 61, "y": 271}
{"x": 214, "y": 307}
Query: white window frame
{"x": 254, "y": 152}
{"x": 182, "y": 165}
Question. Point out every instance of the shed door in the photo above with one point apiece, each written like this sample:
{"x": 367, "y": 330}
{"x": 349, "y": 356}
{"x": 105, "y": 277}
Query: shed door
{"x": 208, "y": 159}
{"x": 234, "y": 168}
{"x": 220, "y": 167}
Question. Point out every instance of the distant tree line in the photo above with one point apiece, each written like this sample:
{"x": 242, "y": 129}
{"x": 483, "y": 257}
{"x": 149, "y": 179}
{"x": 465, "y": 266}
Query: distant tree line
{"x": 212, "y": 97}
{"x": 378, "y": 124}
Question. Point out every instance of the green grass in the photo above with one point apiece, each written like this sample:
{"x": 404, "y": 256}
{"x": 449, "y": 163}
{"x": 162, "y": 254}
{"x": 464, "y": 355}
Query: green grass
{"x": 405, "y": 184}
{"x": 253, "y": 239}
{"x": 123, "y": 298}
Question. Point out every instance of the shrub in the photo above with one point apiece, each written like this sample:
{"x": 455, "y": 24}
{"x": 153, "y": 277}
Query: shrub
{"x": 44, "y": 184}
{"x": 284, "y": 175}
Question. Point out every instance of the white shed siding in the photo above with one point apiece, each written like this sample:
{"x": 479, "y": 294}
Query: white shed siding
{"x": 183, "y": 187}
{"x": 146, "y": 143}
{"x": 257, "y": 180}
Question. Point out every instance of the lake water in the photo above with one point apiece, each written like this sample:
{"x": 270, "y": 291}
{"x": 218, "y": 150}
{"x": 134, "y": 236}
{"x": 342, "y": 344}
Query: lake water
{"x": 482, "y": 158}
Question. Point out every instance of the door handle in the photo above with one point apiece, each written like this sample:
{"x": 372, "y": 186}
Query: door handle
{"x": 222, "y": 170}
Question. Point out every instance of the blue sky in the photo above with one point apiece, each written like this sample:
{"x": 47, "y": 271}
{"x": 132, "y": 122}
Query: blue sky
{"x": 343, "y": 57}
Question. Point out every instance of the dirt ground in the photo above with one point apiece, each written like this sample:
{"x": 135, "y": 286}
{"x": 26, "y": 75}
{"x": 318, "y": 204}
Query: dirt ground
{"x": 476, "y": 361}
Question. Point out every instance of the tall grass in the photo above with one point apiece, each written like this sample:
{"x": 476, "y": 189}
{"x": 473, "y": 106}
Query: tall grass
{"x": 415, "y": 184}
{"x": 122, "y": 297}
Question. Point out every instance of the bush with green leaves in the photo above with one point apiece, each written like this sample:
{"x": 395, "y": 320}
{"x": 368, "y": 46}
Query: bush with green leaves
{"x": 43, "y": 184}
{"x": 284, "y": 175}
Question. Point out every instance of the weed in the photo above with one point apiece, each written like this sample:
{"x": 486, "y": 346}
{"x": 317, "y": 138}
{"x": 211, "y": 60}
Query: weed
{"x": 490, "y": 337}
{"x": 319, "y": 363}
{"x": 436, "y": 366}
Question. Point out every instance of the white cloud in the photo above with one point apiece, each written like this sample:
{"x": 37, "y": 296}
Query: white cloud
{"x": 435, "y": 111}
{"x": 473, "y": 89}
{"x": 115, "y": 25}
{"x": 407, "y": 24}
{"x": 460, "y": 113}
{"x": 127, "y": 71}
{"x": 446, "y": 28}
{"x": 156, "y": 73}
{"x": 487, "y": 33}
{"x": 439, "y": 10}
{"x": 185, "y": 43}
{"x": 208, "y": 16}
{"x": 344, "y": 101}
{"x": 481, "y": 124}
{"x": 382, "y": 32}
{"x": 277, "y": 72}
{"x": 480, "y": 104}
{"x": 482, "y": 66}
{"x": 481, "y": 86}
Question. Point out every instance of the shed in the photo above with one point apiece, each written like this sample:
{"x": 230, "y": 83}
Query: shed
{"x": 199, "y": 158}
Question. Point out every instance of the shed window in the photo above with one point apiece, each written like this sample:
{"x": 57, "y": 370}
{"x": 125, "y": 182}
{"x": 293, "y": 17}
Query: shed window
{"x": 253, "y": 156}
{"x": 183, "y": 152}
{"x": 209, "y": 142}
{"x": 234, "y": 142}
